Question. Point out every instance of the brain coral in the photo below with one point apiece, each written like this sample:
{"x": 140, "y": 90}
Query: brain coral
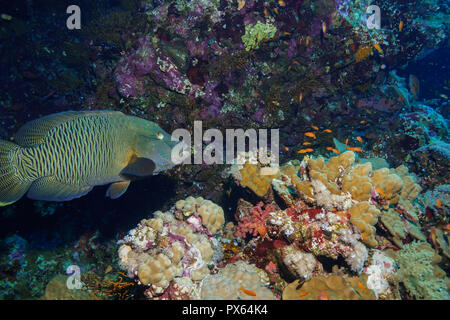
{"x": 211, "y": 214}
{"x": 238, "y": 280}
{"x": 332, "y": 287}
{"x": 165, "y": 247}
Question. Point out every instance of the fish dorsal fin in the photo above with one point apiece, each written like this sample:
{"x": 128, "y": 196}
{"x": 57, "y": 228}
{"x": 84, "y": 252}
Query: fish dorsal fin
{"x": 139, "y": 167}
{"x": 35, "y": 131}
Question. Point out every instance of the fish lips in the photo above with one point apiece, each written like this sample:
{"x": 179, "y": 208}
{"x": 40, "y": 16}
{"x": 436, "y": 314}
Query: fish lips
{"x": 166, "y": 158}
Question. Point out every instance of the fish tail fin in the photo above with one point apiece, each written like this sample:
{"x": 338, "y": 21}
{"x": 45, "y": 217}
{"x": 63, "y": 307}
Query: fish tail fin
{"x": 12, "y": 188}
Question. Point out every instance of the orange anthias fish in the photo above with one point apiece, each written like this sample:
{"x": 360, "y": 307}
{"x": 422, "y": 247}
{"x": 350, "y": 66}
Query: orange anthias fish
{"x": 266, "y": 14}
{"x": 296, "y": 62}
{"x": 356, "y": 149}
{"x": 306, "y": 143}
{"x": 377, "y": 46}
{"x": 302, "y": 294}
{"x": 439, "y": 203}
{"x": 305, "y": 150}
{"x": 248, "y": 292}
{"x": 323, "y": 296}
{"x": 327, "y": 130}
{"x": 310, "y": 134}
{"x": 276, "y": 10}
{"x": 300, "y": 97}
{"x": 315, "y": 128}
{"x": 346, "y": 142}
{"x": 281, "y": 3}
{"x": 400, "y": 26}
{"x": 380, "y": 192}
{"x": 286, "y": 148}
{"x": 324, "y": 27}
{"x": 359, "y": 139}
{"x": 361, "y": 286}
{"x": 333, "y": 149}
{"x": 433, "y": 237}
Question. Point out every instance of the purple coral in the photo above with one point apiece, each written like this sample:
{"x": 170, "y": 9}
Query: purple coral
{"x": 148, "y": 60}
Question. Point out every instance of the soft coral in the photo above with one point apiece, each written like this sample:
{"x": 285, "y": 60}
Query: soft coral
{"x": 255, "y": 223}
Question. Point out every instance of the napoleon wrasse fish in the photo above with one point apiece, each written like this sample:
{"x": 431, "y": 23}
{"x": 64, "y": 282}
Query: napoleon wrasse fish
{"x": 63, "y": 156}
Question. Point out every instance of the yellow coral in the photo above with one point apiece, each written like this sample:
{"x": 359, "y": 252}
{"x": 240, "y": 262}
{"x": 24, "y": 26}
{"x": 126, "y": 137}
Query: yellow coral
{"x": 229, "y": 282}
{"x": 334, "y": 287}
{"x": 363, "y": 53}
{"x": 365, "y": 216}
{"x": 392, "y": 221}
{"x": 158, "y": 271}
{"x": 212, "y": 215}
{"x": 290, "y": 170}
{"x": 254, "y": 180}
{"x": 57, "y": 289}
{"x": 389, "y": 183}
{"x": 328, "y": 172}
{"x": 357, "y": 181}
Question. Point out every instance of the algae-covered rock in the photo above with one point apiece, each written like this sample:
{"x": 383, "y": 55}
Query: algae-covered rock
{"x": 257, "y": 33}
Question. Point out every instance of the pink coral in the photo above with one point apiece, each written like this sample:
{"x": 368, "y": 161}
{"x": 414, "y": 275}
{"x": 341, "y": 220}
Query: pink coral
{"x": 148, "y": 60}
{"x": 255, "y": 222}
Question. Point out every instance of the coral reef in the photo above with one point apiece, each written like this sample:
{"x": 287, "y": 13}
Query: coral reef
{"x": 417, "y": 272}
{"x": 57, "y": 289}
{"x": 207, "y": 213}
{"x": 368, "y": 106}
{"x": 331, "y": 205}
{"x": 257, "y": 33}
{"x": 331, "y": 287}
{"x": 166, "y": 246}
{"x": 237, "y": 281}
{"x": 340, "y": 185}
{"x": 380, "y": 272}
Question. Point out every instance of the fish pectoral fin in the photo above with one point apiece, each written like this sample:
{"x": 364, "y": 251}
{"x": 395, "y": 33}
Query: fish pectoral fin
{"x": 139, "y": 167}
{"x": 117, "y": 189}
{"x": 49, "y": 189}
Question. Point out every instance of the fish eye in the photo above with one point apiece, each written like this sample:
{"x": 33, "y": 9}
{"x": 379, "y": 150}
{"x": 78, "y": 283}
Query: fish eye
{"x": 160, "y": 135}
